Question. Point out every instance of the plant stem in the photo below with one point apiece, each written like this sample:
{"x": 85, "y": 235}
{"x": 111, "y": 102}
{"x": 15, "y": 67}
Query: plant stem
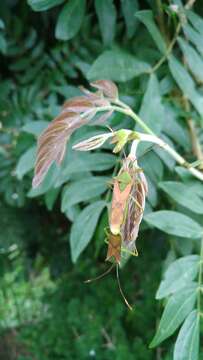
{"x": 200, "y": 279}
{"x": 188, "y": 5}
{"x": 151, "y": 137}
{"x": 168, "y": 51}
{"x": 155, "y": 139}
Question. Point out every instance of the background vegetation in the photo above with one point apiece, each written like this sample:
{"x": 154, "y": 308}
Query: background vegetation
{"x": 153, "y": 50}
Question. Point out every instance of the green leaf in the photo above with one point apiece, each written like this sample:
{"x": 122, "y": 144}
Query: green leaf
{"x": 73, "y": 212}
{"x": 129, "y": 8}
{"x": 193, "y": 59}
{"x": 177, "y": 308}
{"x": 26, "y": 162}
{"x": 186, "y": 83}
{"x": 164, "y": 156}
{"x": 83, "y": 190}
{"x": 117, "y": 65}
{"x": 48, "y": 182}
{"x": 196, "y": 21}
{"x": 83, "y": 228}
{"x": 182, "y": 194}
{"x": 42, "y": 5}
{"x": 106, "y": 13}
{"x": 50, "y": 198}
{"x": 178, "y": 275}
{"x": 146, "y": 17}
{"x": 2, "y": 25}
{"x": 70, "y": 19}
{"x": 152, "y": 110}
{"x": 187, "y": 343}
{"x": 194, "y": 36}
{"x": 35, "y": 127}
{"x": 173, "y": 128}
{"x": 175, "y": 223}
{"x": 153, "y": 166}
{"x": 81, "y": 162}
{"x": 152, "y": 194}
{"x": 3, "y": 44}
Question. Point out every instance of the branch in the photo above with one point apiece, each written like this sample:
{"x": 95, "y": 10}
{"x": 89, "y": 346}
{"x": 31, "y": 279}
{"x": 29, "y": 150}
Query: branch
{"x": 151, "y": 137}
{"x": 187, "y": 6}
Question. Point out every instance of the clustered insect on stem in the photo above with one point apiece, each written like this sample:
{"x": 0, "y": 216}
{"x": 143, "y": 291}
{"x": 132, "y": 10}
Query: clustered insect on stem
{"x": 129, "y": 185}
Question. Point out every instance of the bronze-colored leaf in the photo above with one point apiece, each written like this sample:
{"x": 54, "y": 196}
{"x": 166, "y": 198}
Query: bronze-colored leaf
{"x": 78, "y": 104}
{"x": 103, "y": 118}
{"x": 108, "y": 88}
{"x": 52, "y": 143}
{"x": 76, "y": 112}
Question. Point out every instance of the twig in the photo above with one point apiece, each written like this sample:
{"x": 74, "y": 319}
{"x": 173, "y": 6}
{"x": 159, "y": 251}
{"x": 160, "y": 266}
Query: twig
{"x": 110, "y": 344}
{"x": 188, "y": 5}
{"x": 168, "y": 51}
{"x": 155, "y": 139}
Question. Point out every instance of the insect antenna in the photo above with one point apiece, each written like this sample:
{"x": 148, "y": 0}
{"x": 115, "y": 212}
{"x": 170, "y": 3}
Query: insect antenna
{"x": 100, "y": 276}
{"x": 120, "y": 288}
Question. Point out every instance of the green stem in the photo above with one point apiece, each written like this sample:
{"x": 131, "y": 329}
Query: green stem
{"x": 188, "y": 5}
{"x": 151, "y": 137}
{"x": 129, "y": 112}
{"x": 168, "y": 51}
{"x": 200, "y": 279}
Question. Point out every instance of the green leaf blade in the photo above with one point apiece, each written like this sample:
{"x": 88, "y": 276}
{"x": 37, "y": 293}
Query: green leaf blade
{"x": 193, "y": 59}
{"x": 152, "y": 110}
{"x": 117, "y": 65}
{"x": 129, "y": 8}
{"x": 194, "y": 36}
{"x": 106, "y": 13}
{"x": 42, "y": 5}
{"x": 26, "y": 162}
{"x": 175, "y": 223}
{"x": 186, "y": 83}
{"x": 178, "y": 275}
{"x": 70, "y": 19}
{"x": 177, "y": 308}
{"x": 146, "y": 17}
{"x": 187, "y": 343}
{"x": 35, "y": 127}
{"x": 182, "y": 194}
{"x": 83, "y": 190}
{"x": 84, "y": 162}
{"x": 196, "y": 21}
{"x": 84, "y": 227}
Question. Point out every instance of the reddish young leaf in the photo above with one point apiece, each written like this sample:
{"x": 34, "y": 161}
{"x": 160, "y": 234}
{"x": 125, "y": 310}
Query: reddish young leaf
{"x": 52, "y": 143}
{"x": 103, "y": 118}
{"x": 108, "y": 88}
{"x": 75, "y": 113}
{"x": 77, "y": 104}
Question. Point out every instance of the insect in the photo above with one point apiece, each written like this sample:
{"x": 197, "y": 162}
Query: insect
{"x": 125, "y": 215}
{"x": 128, "y": 202}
